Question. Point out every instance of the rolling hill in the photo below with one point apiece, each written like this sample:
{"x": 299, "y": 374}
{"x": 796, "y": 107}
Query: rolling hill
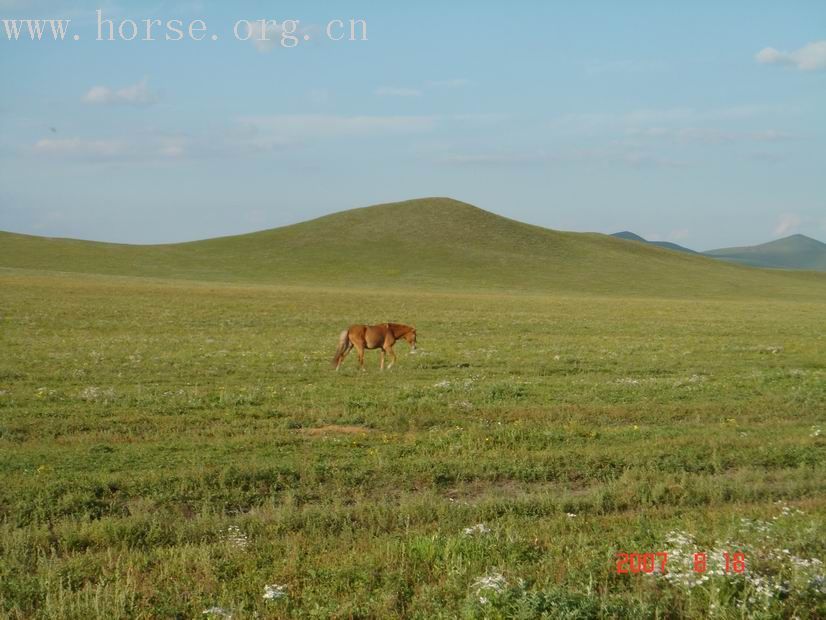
{"x": 793, "y": 252}
{"x": 425, "y": 244}
{"x": 629, "y": 236}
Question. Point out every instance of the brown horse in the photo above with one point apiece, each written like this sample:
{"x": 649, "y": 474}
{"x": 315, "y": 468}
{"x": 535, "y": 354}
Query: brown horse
{"x": 382, "y": 336}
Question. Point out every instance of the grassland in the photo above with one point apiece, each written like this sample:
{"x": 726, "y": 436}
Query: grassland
{"x": 170, "y": 447}
{"x": 173, "y": 441}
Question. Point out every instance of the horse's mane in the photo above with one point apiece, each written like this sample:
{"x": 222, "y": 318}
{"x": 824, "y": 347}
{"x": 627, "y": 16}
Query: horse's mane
{"x": 400, "y": 329}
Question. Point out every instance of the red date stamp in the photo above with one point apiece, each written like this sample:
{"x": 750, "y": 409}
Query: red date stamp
{"x": 635, "y": 563}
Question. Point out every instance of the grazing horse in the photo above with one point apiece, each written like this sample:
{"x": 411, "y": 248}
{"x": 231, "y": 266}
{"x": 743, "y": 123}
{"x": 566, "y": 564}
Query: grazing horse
{"x": 382, "y": 336}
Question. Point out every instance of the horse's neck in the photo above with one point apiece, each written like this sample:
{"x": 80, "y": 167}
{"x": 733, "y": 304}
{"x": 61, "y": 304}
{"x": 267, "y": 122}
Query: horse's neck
{"x": 399, "y": 330}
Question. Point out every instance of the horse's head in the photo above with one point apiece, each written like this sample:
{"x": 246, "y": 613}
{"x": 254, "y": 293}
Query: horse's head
{"x": 411, "y": 338}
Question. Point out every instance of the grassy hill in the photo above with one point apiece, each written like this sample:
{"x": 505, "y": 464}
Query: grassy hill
{"x": 794, "y": 252}
{"x": 434, "y": 243}
{"x": 629, "y": 236}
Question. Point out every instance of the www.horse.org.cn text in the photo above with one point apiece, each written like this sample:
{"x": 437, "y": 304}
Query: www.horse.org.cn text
{"x": 262, "y": 32}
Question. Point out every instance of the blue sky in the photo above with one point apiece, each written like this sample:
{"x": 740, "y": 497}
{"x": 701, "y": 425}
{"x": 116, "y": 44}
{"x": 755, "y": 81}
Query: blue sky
{"x": 701, "y": 123}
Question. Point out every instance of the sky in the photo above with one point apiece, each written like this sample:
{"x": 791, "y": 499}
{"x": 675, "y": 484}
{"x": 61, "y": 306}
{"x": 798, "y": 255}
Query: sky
{"x": 697, "y": 122}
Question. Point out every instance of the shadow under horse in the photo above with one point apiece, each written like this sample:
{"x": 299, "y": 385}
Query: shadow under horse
{"x": 382, "y": 336}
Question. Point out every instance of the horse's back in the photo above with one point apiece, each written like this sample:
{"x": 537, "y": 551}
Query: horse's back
{"x": 371, "y": 336}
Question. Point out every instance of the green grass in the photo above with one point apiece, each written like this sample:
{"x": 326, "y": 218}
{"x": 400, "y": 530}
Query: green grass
{"x": 432, "y": 244}
{"x": 170, "y": 446}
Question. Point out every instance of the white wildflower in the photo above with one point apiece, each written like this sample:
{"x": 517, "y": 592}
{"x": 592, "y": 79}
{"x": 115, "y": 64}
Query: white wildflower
{"x": 235, "y": 537}
{"x": 274, "y": 591}
{"x": 818, "y": 583}
{"x": 480, "y": 529}
{"x": 44, "y": 392}
{"x": 217, "y": 611}
{"x": 93, "y": 394}
{"x": 492, "y": 583}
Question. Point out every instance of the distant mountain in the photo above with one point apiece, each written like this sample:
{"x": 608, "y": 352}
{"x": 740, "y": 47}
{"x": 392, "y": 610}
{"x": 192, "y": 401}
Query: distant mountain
{"x": 794, "y": 252}
{"x": 629, "y": 236}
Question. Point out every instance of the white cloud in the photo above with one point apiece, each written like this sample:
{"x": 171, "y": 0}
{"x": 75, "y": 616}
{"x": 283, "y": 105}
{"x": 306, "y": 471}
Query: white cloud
{"x": 705, "y": 135}
{"x": 394, "y": 91}
{"x": 291, "y": 128}
{"x": 263, "y": 37}
{"x": 76, "y": 147}
{"x": 146, "y": 148}
{"x": 246, "y": 136}
{"x": 770, "y": 135}
{"x": 490, "y": 159}
{"x": 811, "y": 57}
{"x": 610, "y": 156}
{"x": 661, "y": 117}
{"x": 767, "y": 157}
{"x": 267, "y": 36}
{"x": 137, "y": 95}
{"x": 481, "y": 119}
{"x": 390, "y": 91}
{"x": 787, "y": 223}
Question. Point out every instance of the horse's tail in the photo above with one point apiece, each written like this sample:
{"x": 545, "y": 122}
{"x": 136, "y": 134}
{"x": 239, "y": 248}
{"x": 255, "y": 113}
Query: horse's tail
{"x": 342, "y": 347}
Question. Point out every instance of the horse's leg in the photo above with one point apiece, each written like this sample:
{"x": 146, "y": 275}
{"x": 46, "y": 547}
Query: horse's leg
{"x": 360, "y": 351}
{"x": 381, "y": 356}
{"x": 389, "y": 350}
{"x": 387, "y": 347}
